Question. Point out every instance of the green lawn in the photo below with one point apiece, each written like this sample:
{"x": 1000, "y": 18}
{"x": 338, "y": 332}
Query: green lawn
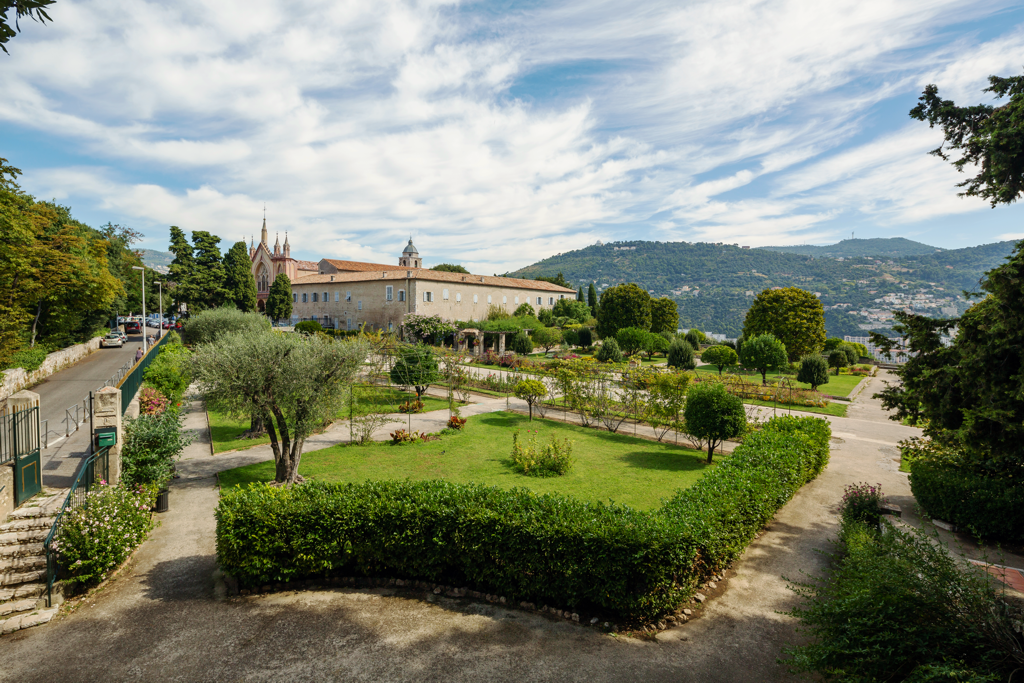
{"x": 224, "y": 430}
{"x": 837, "y": 386}
{"x": 636, "y": 472}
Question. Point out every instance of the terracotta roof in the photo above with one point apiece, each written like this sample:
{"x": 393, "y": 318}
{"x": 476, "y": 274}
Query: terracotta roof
{"x": 360, "y": 266}
{"x": 371, "y": 272}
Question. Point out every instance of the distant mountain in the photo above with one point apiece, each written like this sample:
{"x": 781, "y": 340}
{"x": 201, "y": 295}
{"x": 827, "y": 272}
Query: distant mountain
{"x": 160, "y": 261}
{"x": 713, "y": 284}
{"x": 890, "y": 247}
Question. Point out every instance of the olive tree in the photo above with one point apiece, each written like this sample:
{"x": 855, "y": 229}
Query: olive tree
{"x": 294, "y": 384}
{"x": 713, "y": 415}
{"x": 547, "y": 337}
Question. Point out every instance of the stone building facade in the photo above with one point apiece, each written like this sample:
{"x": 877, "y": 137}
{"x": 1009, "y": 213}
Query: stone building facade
{"x": 346, "y": 294}
{"x": 267, "y": 264}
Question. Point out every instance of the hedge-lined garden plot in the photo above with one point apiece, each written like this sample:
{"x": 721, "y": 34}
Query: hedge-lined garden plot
{"x": 607, "y": 466}
{"x": 544, "y": 548}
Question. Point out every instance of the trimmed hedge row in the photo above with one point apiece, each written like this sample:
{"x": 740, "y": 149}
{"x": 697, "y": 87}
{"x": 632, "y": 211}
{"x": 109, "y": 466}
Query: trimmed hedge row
{"x": 989, "y": 507}
{"x": 542, "y": 548}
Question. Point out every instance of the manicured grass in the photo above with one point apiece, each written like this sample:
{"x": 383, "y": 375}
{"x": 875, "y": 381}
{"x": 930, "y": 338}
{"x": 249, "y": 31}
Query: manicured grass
{"x": 837, "y": 386}
{"x": 225, "y": 431}
{"x": 834, "y": 408}
{"x": 617, "y": 467}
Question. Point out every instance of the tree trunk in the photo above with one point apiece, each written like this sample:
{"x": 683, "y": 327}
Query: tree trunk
{"x": 39, "y": 312}
{"x": 711, "y": 450}
{"x": 764, "y": 378}
{"x": 257, "y": 428}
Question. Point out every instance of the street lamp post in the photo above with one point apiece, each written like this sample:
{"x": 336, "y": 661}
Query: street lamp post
{"x": 160, "y": 334}
{"x": 145, "y": 346}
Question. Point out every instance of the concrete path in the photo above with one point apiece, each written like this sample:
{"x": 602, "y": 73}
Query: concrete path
{"x": 159, "y": 618}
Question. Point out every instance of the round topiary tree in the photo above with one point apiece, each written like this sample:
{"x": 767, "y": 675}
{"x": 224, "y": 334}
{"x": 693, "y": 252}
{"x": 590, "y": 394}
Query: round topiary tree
{"x": 585, "y": 336}
{"x": 813, "y": 371}
{"x": 308, "y": 327}
{"x": 838, "y": 359}
{"x": 416, "y": 367}
{"x": 532, "y": 391}
{"x": 720, "y": 356}
{"x": 712, "y": 414}
{"x": 793, "y": 315}
{"x": 609, "y": 352}
{"x": 763, "y": 353}
{"x": 630, "y": 340}
{"x": 521, "y": 344}
{"x": 681, "y": 355}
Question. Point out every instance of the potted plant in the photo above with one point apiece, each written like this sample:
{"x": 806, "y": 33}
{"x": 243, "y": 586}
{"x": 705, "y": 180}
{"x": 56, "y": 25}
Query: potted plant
{"x": 152, "y": 443}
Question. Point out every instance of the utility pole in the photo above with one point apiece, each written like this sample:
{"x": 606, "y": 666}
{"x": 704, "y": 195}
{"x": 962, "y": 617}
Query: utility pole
{"x": 145, "y": 346}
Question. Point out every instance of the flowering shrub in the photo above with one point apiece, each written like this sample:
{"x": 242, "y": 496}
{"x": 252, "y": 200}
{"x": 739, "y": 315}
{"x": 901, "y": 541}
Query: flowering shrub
{"x": 96, "y": 538}
{"x": 152, "y": 402}
{"x": 553, "y": 460}
{"x": 456, "y": 422}
{"x": 402, "y": 436}
{"x": 411, "y": 407}
{"x": 862, "y": 503}
{"x": 151, "y": 445}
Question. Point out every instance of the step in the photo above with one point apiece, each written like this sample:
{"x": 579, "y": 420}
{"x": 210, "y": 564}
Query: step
{"x": 27, "y": 524}
{"x": 15, "y": 606}
{"x": 42, "y": 507}
{"x": 25, "y": 590}
{"x": 18, "y": 578}
{"x": 21, "y": 550}
{"x": 22, "y": 563}
{"x": 21, "y": 537}
{"x": 28, "y": 620}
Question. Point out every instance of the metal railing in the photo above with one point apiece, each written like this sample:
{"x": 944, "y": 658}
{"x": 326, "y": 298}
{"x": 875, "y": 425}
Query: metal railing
{"x": 130, "y": 383}
{"x": 94, "y": 470}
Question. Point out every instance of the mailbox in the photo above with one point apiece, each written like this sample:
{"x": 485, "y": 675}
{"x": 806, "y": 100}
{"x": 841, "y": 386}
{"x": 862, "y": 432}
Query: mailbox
{"x": 106, "y": 436}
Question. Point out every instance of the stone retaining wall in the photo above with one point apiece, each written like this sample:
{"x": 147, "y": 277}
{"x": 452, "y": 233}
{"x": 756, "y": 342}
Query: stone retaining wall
{"x": 17, "y": 379}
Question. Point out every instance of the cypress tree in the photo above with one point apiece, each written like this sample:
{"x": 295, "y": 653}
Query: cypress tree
{"x": 239, "y": 281}
{"x": 181, "y": 267}
{"x": 279, "y": 299}
{"x": 592, "y": 300}
{"x": 579, "y": 296}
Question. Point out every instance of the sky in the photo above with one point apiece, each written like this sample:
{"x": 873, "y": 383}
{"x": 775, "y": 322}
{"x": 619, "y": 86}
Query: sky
{"x": 496, "y": 134}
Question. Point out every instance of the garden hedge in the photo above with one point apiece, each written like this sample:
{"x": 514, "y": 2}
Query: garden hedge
{"x": 541, "y": 548}
{"x": 990, "y": 507}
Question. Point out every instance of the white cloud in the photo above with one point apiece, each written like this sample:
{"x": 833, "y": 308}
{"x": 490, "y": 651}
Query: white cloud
{"x": 359, "y": 123}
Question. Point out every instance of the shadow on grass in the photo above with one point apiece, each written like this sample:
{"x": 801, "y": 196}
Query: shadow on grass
{"x": 669, "y": 462}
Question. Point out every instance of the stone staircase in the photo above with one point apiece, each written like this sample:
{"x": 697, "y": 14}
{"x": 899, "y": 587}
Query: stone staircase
{"x": 23, "y": 563}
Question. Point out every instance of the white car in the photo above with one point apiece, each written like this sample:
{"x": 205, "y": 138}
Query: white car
{"x": 112, "y": 340}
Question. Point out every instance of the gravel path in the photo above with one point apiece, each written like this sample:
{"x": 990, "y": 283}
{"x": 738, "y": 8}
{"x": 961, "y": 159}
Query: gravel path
{"x": 159, "y": 619}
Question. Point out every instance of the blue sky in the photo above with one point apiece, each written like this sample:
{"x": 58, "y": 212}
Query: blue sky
{"x": 500, "y": 133}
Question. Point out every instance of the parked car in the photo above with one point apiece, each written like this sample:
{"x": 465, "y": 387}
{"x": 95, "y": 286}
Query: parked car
{"x": 112, "y": 340}
{"x": 168, "y": 324}
{"x": 132, "y": 327}
{"x": 119, "y": 332}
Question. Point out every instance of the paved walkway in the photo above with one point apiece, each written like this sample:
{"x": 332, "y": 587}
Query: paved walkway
{"x": 159, "y": 620}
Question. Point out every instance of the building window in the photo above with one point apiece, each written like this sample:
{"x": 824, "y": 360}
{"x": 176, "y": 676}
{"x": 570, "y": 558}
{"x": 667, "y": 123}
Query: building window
{"x": 304, "y": 296}
{"x": 348, "y": 296}
{"x": 314, "y": 297}
{"x": 295, "y": 298}
{"x": 475, "y": 300}
{"x": 551, "y": 301}
{"x": 359, "y": 306}
{"x": 561, "y": 296}
{"x": 428, "y": 296}
{"x": 458, "y": 297}
{"x": 539, "y": 299}
{"x": 488, "y": 298}
{"x": 327, "y": 297}
{"x": 517, "y": 299}
{"x": 444, "y": 294}
{"x": 389, "y": 292}
{"x": 337, "y": 295}
{"x": 401, "y": 295}
{"x": 504, "y": 299}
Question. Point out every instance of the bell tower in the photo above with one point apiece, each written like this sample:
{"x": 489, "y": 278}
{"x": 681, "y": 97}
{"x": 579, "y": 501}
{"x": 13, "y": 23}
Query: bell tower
{"x": 410, "y": 257}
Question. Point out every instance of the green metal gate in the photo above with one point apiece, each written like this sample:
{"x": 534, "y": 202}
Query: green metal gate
{"x": 19, "y": 442}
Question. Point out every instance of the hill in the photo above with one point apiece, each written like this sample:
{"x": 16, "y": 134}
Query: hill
{"x": 891, "y": 247}
{"x": 159, "y": 261}
{"x": 713, "y": 284}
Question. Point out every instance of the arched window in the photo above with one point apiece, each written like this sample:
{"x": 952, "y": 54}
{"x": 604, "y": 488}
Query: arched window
{"x": 262, "y": 278}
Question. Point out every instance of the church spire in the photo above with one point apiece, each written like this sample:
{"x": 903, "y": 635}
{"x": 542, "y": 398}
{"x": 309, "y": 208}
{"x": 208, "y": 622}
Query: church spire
{"x": 263, "y": 234}
{"x": 287, "y": 249}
